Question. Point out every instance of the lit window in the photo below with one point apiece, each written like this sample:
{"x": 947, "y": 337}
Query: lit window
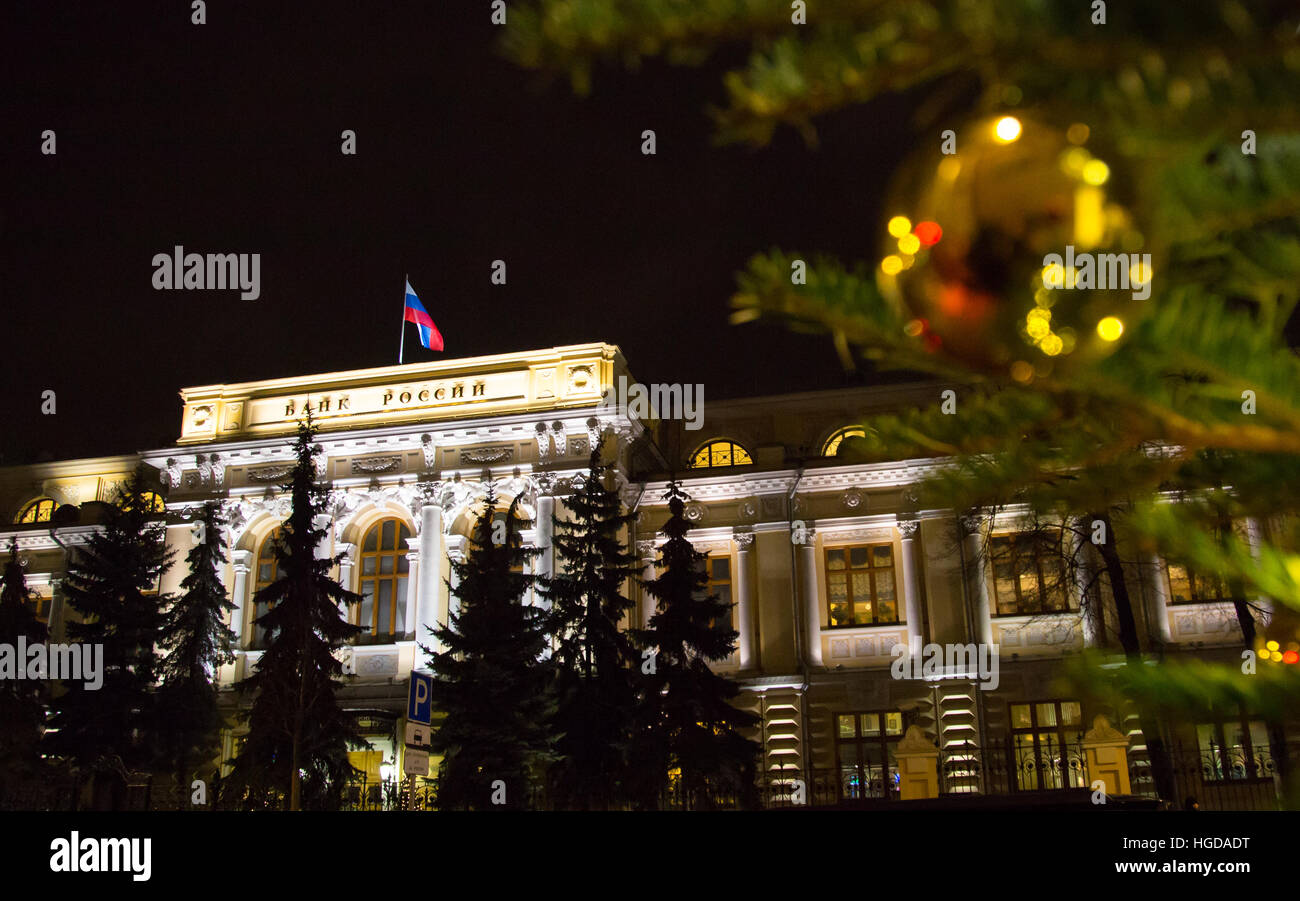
{"x": 860, "y": 585}
{"x": 153, "y": 503}
{"x": 268, "y": 570}
{"x": 865, "y": 746}
{"x": 39, "y": 510}
{"x": 717, "y": 573}
{"x": 1028, "y": 575}
{"x": 720, "y": 453}
{"x": 832, "y": 446}
{"x": 384, "y": 569}
{"x": 1190, "y": 586}
{"x": 1046, "y": 745}
{"x": 1235, "y": 749}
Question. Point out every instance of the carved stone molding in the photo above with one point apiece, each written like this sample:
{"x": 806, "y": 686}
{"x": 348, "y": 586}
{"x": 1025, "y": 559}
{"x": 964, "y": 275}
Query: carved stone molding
{"x": 171, "y": 475}
{"x": 430, "y": 451}
{"x": 376, "y": 464}
{"x": 270, "y": 473}
{"x": 744, "y": 539}
{"x": 1103, "y": 731}
{"x": 487, "y": 454}
{"x": 646, "y": 549}
{"x": 695, "y": 512}
{"x": 972, "y": 523}
{"x": 560, "y": 437}
{"x": 852, "y": 498}
{"x": 908, "y": 528}
{"x": 543, "y": 442}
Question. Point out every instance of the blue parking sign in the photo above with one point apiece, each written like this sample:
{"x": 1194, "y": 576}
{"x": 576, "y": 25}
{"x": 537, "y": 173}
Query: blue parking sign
{"x": 419, "y": 702}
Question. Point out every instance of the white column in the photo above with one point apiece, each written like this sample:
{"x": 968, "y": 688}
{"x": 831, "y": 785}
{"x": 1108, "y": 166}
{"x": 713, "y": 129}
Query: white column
{"x": 973, "y": 528}
{"x": 411, "y": 613}
{"x": 745, "y": 600}
{"x": 242, "y": 563}
{"x": 1088, "y": 612}
{"x": 812, "y": 597}
{"x": 544, "y": 563}
{"x": 1255, "y": 535}
{"x": 648, "y": 572}
{"x": 429, "y": 580}
{"x": 907, "y": 530}
{"x": 456, "y": 553}
{"x": 1159, "y": 583}
{"x": 346, "y": 565}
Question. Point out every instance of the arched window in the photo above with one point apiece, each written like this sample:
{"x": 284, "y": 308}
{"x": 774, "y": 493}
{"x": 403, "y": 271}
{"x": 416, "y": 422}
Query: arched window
{"x": 153, "y": 502}
{"x": 384, "y": 580}
{"x": 39, "y": 510}
{"x": 720, "y": 453}
{"x": 832, "y": 445}
{"x": 268, "y": 570}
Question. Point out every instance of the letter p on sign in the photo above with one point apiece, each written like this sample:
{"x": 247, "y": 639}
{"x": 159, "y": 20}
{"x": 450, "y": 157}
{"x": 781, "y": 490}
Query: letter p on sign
{"x": 419, "y": 702}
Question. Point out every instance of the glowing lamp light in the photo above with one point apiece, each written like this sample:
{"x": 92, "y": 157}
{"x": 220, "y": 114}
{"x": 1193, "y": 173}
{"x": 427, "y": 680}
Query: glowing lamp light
{"x": 1290, "y": 657}
{"x": 899, "y": 226}
{"x": 1095, "y": 172}
{"x": 1007, "y": 129}
{"x": 891, "y": 265}
{"x": 928, "y": 233}
{"x": 1110, "y": 328}
{"x": 909, "y": 244}
{"x": 1272, "y": 645}
{"x": 1052, "y": 345}
{"x": 914, "y": 328}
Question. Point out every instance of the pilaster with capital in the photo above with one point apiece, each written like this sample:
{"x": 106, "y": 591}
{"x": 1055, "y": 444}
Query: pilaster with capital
{"x": 973, "y": 528}
{"x": 811, "y": 594}
{"x": 908, "y": 529}
{"x": 241, "y": 564}
{"x": 747, "y": 643}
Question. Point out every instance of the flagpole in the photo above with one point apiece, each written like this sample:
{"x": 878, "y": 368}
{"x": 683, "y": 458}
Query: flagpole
{"x": 401, "y": 346}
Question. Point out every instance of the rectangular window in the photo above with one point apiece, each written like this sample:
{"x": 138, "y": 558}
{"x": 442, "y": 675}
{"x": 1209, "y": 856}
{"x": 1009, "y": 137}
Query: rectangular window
{"x": 1028, "y": 576}
{"x": 1234, "y": 750}
{"x": 860, "y": 586}
{"x": 717, "y": 572}
{"x": 1190, "y": 586}
{"x": 1045, "y": 745}
{"x": 865, "y": 746}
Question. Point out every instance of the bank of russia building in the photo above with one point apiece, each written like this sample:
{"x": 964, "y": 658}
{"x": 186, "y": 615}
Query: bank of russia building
{"x": 830, "y": 565}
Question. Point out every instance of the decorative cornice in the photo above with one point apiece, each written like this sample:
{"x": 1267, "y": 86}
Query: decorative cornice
{"x": 908, "y": 528}
{"x": 269, "y": 473}
{"x": 376, "y": 464}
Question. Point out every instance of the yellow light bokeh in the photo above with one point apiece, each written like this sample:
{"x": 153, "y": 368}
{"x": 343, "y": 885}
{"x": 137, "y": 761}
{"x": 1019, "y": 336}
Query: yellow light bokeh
{"x": 1037, "y": 328}
{"x": 1021, "y": 371}
{"x": 1095, "y": 172}
{"x": 1110, "y": 328}
{"x": 950, "y": 168}
{"x": 1139, "y": 274}
{"x": 909, "y": 244}
{"x": 899, "y": 226}
{"x": 1272, "y": 645}
{"x": 1007, "y": 129}
{"x": 1052, "y": 345}
{"x": 1077, "y": 133}
{"x": 891, "y": 265}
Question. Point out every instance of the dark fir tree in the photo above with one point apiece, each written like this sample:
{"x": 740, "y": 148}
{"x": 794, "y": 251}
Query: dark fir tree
{"x": 594, "y": 657}
{"x": 197, "y": 642}
{"x": 491, "y": 680}
{"x": 296, "y": 751}
{"x": 22, "y": 701}
{"x": 688, "y": 726}
{"x": 113, "y": 586}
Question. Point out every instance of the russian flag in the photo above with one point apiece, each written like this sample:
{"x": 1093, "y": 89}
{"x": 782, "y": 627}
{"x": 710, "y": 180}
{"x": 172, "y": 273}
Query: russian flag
{"x": 415, "y": 312}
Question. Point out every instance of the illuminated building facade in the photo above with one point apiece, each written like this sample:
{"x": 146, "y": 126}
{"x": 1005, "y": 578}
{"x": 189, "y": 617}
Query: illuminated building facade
{"x": 831, "y": 565}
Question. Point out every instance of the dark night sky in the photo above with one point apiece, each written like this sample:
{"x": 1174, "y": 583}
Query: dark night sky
{"x": 225, "y": 138}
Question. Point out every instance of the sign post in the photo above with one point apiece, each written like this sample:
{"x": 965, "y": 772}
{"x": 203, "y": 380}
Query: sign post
{"x": 419, "y": 717}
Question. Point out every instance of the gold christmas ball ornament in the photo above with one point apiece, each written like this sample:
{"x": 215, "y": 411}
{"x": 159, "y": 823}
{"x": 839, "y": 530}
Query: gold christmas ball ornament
{"x": 1009, "y": 253}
